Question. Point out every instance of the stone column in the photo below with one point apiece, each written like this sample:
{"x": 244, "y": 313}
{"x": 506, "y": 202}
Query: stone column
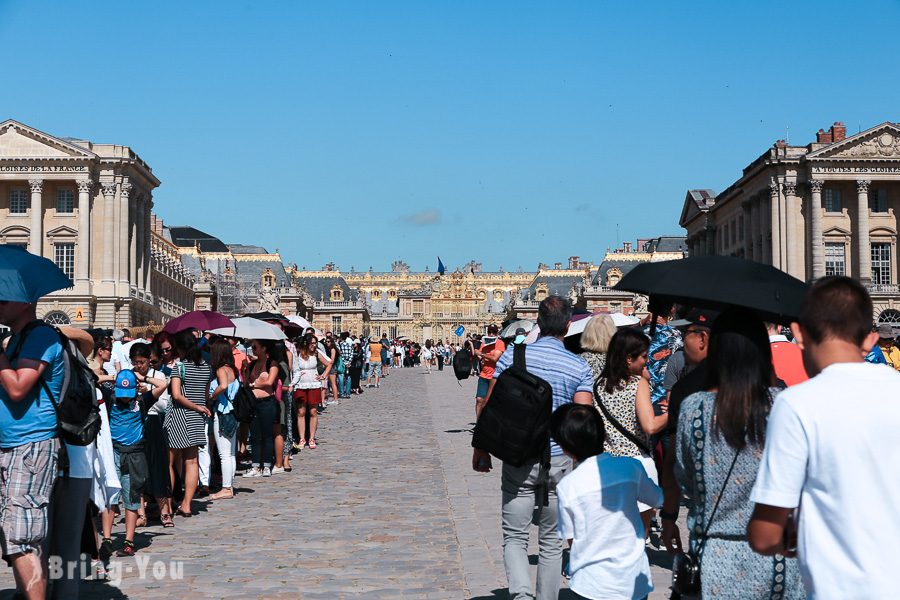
{"x": 124, "y": 249}
{"x": 36, "y": 240}
{"x": 109, "y": 248}
{"x": 140, "y": 226}
{"x": 792, "y": 231}
{"x": 748, "y": 232}
{"x": 83, "y": 256}
{"x": 775, "y": 225}
{"x": 755, "y": 243}
{"x": 863, "y": 245}
{"x": 817, "y": 241}
{"x": 148, "y": 242}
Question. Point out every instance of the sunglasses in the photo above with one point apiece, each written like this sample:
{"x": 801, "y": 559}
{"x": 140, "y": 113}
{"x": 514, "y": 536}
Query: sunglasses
{"x": 166, "y": 350}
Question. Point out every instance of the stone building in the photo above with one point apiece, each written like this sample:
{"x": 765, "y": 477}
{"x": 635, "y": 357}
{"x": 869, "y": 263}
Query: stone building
{"x": 87, "y": 207}
{"x": 827, "y": 207}
{"x": 601, "y": 296}
{"x": 235, "y": 279}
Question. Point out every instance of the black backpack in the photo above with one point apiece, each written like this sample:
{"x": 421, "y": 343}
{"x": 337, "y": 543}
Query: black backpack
{"x": 243, "y": 406}
{"x": 514, "y": 425}
{"x": 462, "y": 364}
{"x": 77, "y": 408}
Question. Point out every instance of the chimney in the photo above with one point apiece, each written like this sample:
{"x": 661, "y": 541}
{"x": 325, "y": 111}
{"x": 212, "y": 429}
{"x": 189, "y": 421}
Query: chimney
{"x": 573, "y": 262}
{"x": 838, "y": 131}
{"x": 557, "y": 266}
{"x": 627, "y": 246}
{"x": 825, "y": 137}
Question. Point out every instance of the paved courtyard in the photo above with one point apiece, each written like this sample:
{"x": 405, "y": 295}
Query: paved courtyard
{"x": 387, "y": 507}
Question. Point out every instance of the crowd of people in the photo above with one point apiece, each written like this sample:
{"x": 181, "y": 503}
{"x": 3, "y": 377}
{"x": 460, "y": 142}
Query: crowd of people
{"x": 169, "y": 431}
{"x": 778, "y": 442}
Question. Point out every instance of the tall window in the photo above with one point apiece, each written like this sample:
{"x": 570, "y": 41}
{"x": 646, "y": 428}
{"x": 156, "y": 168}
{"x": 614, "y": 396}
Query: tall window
{"x": 833, "y": 200}
{"x": 881, "y": 263}
{"x": 18, "y": 201}
{"x": 834, "y": 259}
{"x": 878, "y": 200}
{"x": 393, "y": 332}
{"x": 418, "y": 308}
{"x": 336, "y": 324}
{"x": 65, "y": 201}
{"x": 64, "y": 255}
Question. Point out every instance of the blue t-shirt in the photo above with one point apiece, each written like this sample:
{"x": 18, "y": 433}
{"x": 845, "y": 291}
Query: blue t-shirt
{"x": 34, "y": 418}
{"x": 126, "y": 421}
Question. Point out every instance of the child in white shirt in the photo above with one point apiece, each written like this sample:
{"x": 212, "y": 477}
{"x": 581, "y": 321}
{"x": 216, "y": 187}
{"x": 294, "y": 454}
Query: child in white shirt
{"x": 598, "y": 510}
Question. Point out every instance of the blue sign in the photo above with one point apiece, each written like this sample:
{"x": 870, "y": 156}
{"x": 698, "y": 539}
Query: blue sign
{"x": 459, "y": 331}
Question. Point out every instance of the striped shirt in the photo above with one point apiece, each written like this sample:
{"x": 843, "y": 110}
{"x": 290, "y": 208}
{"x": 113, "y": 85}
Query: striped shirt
{"x": 566, "y": 373}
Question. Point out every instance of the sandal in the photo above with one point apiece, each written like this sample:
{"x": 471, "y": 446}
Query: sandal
{"x": 141, "y": 521}
{"x": 182, "y": 513}
{"x": 312, "y": 444}
{"x": 166, "y": 519}
{"x": 301, "y": 443}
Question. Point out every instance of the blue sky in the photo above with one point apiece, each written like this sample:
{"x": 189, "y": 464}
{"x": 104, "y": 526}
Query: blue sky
{"x": 510, "y": 132}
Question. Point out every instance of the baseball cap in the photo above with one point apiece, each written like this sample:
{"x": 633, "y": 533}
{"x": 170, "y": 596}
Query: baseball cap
{"x": 696, "y": 316}
{"x": 126, "y": 384}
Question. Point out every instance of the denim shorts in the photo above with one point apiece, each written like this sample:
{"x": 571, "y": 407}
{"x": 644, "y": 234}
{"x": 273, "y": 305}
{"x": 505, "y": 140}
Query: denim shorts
{"x": 125, "y": 495}
{"x": 375, "y": 369}
{"x": 483, "y": 385}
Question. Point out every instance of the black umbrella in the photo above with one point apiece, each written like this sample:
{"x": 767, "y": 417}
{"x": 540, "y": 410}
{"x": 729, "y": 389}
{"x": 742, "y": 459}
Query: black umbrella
{"x": 718, "y": 282}
{"x": 267, "y": 316}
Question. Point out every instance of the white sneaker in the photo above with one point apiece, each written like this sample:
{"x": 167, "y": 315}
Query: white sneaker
{"x": 277, "y": 470}
{"x": 254, "y": 472}
{"x": 267, "y": 472}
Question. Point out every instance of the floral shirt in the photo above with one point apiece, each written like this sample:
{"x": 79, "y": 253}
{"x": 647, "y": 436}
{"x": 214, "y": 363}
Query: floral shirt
{"x": 664, "y": 343}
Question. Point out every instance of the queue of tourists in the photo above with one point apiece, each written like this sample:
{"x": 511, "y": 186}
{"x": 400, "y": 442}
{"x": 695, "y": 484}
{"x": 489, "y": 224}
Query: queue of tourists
{"x": 171, "y": 428}
{"x": 777, "y": 441}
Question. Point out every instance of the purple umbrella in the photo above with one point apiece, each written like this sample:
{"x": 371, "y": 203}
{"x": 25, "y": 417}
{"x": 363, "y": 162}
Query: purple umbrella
{"x": 204, "y": 320}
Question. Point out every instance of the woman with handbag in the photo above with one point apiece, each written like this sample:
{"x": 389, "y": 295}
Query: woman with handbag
{"x": 622, "y": 395}
{"x": 223, "y": 389}
{"x": 720, "y": 439}
{"x": 357, "y": 361}
{"x": 333, "y": 354}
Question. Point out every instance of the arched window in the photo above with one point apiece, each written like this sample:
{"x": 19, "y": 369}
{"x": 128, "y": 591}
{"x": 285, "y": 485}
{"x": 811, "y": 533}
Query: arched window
{"x": 337, "y": 293}
{"x": 376, "y": 294}
{"x": 541, "y": 292}
{"x": 57, "y": 317}
{"x": 890, "y": 316}
{"x": 268, "y": 278}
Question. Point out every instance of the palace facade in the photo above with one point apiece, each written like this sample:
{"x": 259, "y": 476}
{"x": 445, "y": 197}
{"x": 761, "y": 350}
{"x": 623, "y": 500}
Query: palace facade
{"x": 825, "y": 208}
{"x": 86, "y": 206}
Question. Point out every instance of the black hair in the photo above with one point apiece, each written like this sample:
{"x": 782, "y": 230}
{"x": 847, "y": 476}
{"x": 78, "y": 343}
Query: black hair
{"x": 739, "y": 366}
{"x": 836, "y": 308}
{"x": 625, "y": 343}
{"x": 554, "y": 313}
{"x": 187, "y": 346}
{"x": 579, "y": 430}
{"x": 139, "y": 350}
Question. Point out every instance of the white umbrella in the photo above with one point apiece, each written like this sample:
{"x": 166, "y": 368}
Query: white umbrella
{"x": 533, "y": 335}
{"x": 576, "y": 327}
{"x": 623, "y": 320}
{"x": 300, "y": 321}
{"x": 510, "y": 330}
{"x": 251, "y": 329}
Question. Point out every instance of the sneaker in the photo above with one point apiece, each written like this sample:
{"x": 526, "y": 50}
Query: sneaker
{"x": 267, "y": 472}
{"x": 127, "y": 549}
{"x": 106, "y": 550}
{"x": 276, "y": 470}
{"x": 254, "y": 472}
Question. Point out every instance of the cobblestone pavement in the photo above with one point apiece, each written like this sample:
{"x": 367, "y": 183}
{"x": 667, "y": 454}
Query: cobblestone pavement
{"x": 387, "y": 507}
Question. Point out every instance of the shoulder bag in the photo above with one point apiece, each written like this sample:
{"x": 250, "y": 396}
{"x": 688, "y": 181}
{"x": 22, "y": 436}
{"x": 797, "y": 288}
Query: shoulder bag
{"x": 642, "y": 445}
{"x": 686, "y": 566}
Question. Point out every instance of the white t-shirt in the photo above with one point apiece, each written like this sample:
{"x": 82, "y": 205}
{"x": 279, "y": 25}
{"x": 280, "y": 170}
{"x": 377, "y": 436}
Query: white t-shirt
{"x": 831, "y": 448}
{"x": 600, "y": 515}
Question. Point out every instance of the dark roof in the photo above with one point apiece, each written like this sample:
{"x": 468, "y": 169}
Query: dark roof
{"x": 557, "y": 285}
{"x": 246, "y": 249}
{"x": 623, "y": 265}
{"x": 251, "y": 271}
{"x": 669, "y": 243}
{"x": 188, "y": 237}
{"x": 320, "y": 287}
